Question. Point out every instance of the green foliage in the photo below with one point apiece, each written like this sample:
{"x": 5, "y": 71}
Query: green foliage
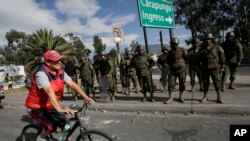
{"x": 42, "y": 41}
{"x": 15, "y": 39}
{"x": 113, "y": 53}
{"x": 203, "y": 16}
{"x": 98, "y": 45}
{"x": 81, "y": 50}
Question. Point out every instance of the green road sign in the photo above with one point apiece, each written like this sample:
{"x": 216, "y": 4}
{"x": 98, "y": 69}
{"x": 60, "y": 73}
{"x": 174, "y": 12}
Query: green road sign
{"x": 156, "y": 13}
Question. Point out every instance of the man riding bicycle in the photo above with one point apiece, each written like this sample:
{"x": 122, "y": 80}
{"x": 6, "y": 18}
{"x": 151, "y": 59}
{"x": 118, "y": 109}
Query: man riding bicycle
{"x": 46, "y": 91}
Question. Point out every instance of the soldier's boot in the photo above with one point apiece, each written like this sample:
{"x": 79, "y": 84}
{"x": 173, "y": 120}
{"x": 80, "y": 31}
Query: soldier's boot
{"x": 231, "y": 86}
{"x": 201, "y": 86}
{"x": 164, "y": 87}
{"x": 170, "y": 99}
{"x": 222, "y": 87}
{"x": 74, "y": 96}
{"x": 151, "y": 97}
{"x": 123, "y": 90}
{"x": 192, "y": 88}
{"x": 205, "y": 98}
{"x": 127, "y": 91}
{"x": 181, "y": 99}
{"x": 144, "y": 97}
{"x": 113, "y": 98}
{"x": 137, "y": 90}
{"x": 94, "y": 97}
{"x": 219, "y": 98}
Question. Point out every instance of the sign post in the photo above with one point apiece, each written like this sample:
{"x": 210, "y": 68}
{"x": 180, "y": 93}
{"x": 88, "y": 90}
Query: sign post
{"x": 118, "y": 37}
{"x": 156, "y": 13}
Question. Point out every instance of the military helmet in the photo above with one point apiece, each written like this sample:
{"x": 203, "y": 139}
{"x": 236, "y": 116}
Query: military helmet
{"x": 84, "y": 58}
{"x": 129, "y": 53}
{"x": 140, "y": 48}
{"x": 230, "y": 34}
{"x": 196, "y": 40}
{"x": 175, "y": 40}
{"x": 103, "y": 53}
{"x": 209, "y": 36}
{"x": 164, "y": 48}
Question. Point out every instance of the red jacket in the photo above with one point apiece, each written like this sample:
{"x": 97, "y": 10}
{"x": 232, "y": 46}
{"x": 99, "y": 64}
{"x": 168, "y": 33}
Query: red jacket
{"x": 37, "y": 98}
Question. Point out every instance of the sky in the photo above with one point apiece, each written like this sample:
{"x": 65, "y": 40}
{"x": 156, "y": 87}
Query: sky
{"x": 84, "y": 18}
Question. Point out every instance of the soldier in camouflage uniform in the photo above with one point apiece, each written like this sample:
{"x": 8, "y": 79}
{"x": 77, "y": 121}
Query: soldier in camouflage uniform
{"x": 143, "y": 63}
{"x": 234, "y": 54}
{"x": 71, "y": 69}
{"x": 106, "y": 69}
{"x": 176, "y": 61}
{"x": 87, "y": 75}
{"x": 130, "y": 72}
{"x": 113, "y": 64}
{"x": 213, "y": 61}
{"x": 162, "y": 64}
{"x": 194, "y": 64}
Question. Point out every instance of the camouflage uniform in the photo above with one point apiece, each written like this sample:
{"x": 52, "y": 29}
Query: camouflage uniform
{"x": 87, "y": 75}
{"x": 213, "y": 60}
{"x": 143, "y": 63}
{"x": 113, "y": 76}
{"x": 70, "y": 69}
{"x": 234, "y": 54}
{"x": 194, "y": 64}
{"x": 176, "y": 61}
{"x": 106, "y": 69}
{"x": 162, "y": 64}
{"x": 123, "y": 73}
{"x": 130, "y": 73}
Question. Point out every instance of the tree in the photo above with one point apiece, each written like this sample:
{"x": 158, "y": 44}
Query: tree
{"x": 205, "y": 16}
{"x": 78, "y": 45}
{"x": 98, "y": 45}
{"x": 13, "y": 53}
{"x": 16, "y": 39}
{"x": 42, "y": 41}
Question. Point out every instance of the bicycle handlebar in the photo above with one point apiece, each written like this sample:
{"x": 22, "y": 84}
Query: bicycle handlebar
{"x": 78, "y": 108}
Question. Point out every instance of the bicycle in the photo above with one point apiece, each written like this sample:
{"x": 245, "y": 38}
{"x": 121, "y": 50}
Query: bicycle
{"x": 31, "y": 131}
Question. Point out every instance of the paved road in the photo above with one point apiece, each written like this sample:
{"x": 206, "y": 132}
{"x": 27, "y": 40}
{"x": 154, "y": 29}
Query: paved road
{"x": 236, "y": 101}
{"x": 131, "y": 126}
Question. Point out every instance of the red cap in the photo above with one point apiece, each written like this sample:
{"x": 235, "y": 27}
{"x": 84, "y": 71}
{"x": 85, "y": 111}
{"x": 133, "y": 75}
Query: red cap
{"x": 52, "y": 55}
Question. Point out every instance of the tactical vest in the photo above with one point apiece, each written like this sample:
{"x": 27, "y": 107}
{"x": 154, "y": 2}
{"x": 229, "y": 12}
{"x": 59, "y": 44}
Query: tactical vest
{"x": 104, "y": 67}
{"x": 142, "y": 62}
{"x": 193, "y": 55}
{"x": 177, "y": 58}
{"x": 231, "y": 51}
{"x": 85, "y": 73}
{"x": 162, "y": 60}
{"x": 211, "y": 58}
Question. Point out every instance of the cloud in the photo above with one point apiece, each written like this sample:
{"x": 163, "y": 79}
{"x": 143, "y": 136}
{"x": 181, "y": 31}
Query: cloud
{"x": 81, "y": 19}
{"x": 25, "y": 16}
{"x": 77, "y": 8}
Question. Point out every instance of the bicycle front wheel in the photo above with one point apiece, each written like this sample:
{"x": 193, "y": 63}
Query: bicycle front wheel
{"x": 30, "y": 132}
{"x": 94, "y": 135}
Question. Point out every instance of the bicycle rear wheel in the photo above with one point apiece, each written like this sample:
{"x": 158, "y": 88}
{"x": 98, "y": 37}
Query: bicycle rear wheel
{"x": 94, "y": 135}
{"x": 30, "y": 132}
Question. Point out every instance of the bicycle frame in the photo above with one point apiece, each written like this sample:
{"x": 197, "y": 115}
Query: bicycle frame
{"x": 77, "y": 123}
